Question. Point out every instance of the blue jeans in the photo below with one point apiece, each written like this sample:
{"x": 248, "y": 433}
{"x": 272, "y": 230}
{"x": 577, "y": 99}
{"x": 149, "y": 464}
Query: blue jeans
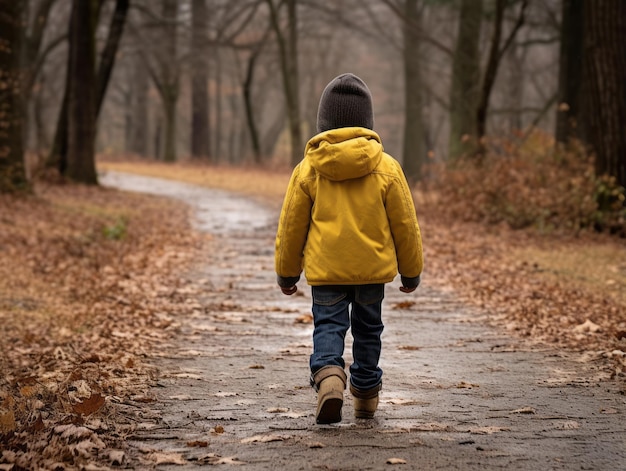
{"x": 332, "y": 320}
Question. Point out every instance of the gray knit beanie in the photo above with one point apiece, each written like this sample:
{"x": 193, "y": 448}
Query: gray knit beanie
{"x": 345, "y": 102}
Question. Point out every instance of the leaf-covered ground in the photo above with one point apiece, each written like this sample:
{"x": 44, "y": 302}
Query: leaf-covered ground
{"x": 86, "y": 277}
{"x": 91, "y": 280}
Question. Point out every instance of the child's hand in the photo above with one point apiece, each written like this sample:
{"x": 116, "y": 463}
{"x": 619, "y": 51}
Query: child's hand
{"x": 409, "y": 284}
{"x": 290, "y": 290}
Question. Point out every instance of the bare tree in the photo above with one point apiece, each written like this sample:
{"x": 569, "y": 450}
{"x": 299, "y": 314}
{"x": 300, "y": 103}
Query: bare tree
{"x": 414, "y": 154}
{"x": 570, "y": 72}
{"x": 494, "y": 59}
{"x": 138, "y": 138}
{"x": 82, "y": 99}
{"x": 288, "y": 47}
{"x": 255, "y": 52}
{"x": 81, "y": 77}
{"x": 200, "y": 125}
{"x": 465, "y": 79}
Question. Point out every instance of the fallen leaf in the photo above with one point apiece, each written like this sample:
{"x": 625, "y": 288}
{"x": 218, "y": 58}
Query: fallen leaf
{"x": 7, "y": 422}
{"x": 316, "y": 445}
{"x": 587, "y": 326}
{"x": 403, "y": 305}
{"x": 167, "y": 458}
{"x": 567, "y": 425}
{"x": 465, "y": 385}
{"x": 198, "y": 443}
{"x": 28, "y": 391}
{"x": 277, "y": 410}
{"x": 38, "y": 425}
{"x": 433, "y": 427}
{"x": 214, "y": 458}
{"x": 488, "y": 430}
{"x": 408, "y": 347}
{"x": 90, "y": 405}
{"x": 218, "y": 429}
{"x": 230, "y": 460}
{"x": 116, "y": 457}
{"x": 396, "y": 461}
{"x": 264, "y": 439}
{"x": 256, "y": 367}
{"x": 304, "y": 319}
{"x": 398, "y": 401}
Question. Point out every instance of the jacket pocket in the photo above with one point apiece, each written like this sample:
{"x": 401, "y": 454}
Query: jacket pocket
{"x": 369, "y": 294}
{"x": 328, "y": 295}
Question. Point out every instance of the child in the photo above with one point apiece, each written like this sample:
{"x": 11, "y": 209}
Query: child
{"x": 348, "y": 219}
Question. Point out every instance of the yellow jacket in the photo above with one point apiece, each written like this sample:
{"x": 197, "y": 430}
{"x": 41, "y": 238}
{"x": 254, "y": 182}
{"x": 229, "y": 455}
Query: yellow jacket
{"x": 348, "y": 216}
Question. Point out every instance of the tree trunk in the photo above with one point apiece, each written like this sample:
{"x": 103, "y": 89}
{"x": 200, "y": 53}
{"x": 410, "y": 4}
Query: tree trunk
{"x": 200, "y": 126}
{"x": 465, "y": 80}
{"x": 168, "y": 86}
{"x": 414, "y": 154}
{"x": 247, "y": 99}
{"x": 107, "y": 57}
{"x": 569, "y": 112}
{"x": 605, "y": 75}
{"x": 219, "y": 137}
{"x": 32, "y": 57}
{"x": 139, "y": 114}
{"x": 170, "y": 99}
{"x": 82, "y": 101}
{"x": 58, "y": 157}
{"x": 288, "y": 51}
{"x": 12, "y": 170}
{"x": 491, "y": 70}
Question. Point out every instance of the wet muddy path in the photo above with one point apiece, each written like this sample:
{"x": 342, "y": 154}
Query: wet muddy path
{"x": 233, "y": 384}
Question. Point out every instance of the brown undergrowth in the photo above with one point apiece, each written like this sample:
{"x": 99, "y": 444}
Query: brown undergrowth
{"x": 89, "y": 285}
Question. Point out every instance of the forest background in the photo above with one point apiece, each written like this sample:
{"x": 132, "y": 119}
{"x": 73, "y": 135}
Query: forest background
{"x": 508, "y": 117}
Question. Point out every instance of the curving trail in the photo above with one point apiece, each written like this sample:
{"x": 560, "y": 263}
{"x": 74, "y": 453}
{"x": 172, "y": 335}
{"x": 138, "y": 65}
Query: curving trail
{"x": 233, "y": 385}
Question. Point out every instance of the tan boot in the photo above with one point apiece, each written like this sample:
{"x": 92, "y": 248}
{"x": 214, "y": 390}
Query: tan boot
{"x": 330, "y": 381}
{"x": 365, "y": 402}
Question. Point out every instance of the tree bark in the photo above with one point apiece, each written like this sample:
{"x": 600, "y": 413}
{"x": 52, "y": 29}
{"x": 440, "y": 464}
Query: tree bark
{"x": 32, "y": 57}
{"x": 414, "y": 154}
{"x": 605, "y": 75}
{"x": 247, "y": 98}
{"x": 569, "y": 112}
{"x": 169, "y": 86}
{"x": 58, "y": 157}
{"x": 139, "y": 113}
{"x": 169, "y": 104}
{"x": 200, "y": 125}
{"x": 12, "y": 169}
{"x": 107, "y": 57}
{"x": 82, "y": 100}
{"x": 465, "y": 87}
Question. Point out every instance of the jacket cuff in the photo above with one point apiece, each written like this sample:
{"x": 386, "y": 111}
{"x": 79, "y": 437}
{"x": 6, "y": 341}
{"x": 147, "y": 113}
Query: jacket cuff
{"x": 410, "y": 282}
{"x": 287, "y": 281}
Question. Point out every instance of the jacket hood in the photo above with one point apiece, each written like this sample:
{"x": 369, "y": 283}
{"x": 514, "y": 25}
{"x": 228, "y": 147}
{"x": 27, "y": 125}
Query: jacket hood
{"x": 344, "y": 153}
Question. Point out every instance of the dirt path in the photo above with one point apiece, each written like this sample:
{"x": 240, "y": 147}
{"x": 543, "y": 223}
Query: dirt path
{"x": 457, "y": 394}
